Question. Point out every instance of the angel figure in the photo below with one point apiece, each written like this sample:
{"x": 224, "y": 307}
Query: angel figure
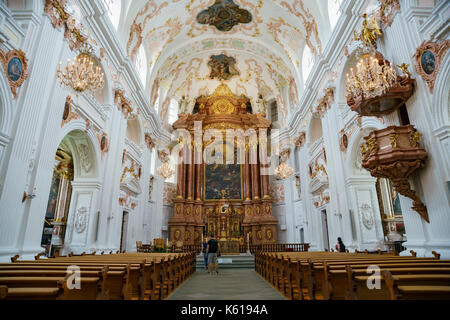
{"x": 370, "y": 32}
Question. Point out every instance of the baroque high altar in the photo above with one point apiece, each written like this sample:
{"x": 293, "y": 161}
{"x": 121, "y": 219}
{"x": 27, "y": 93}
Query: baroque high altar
{"x": 230, "y": 200}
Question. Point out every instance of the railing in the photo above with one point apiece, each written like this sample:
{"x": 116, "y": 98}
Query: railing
{"x": 275, "y": 247}
{"x": 280, "y": 247}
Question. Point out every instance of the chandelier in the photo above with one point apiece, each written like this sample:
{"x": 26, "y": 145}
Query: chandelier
{"x": 373, "y": 77}
{"x": 165, "y": 170}
{"x": 84, "y": 73}
{"x": 284, "y": 171}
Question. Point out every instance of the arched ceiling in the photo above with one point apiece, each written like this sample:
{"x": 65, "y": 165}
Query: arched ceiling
{"x": 267, "y": 50}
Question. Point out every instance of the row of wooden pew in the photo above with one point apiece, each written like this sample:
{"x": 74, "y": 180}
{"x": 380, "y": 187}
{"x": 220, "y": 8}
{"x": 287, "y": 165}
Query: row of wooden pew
{"x": 125, "y": 276}
{"x": 352, "y": 276}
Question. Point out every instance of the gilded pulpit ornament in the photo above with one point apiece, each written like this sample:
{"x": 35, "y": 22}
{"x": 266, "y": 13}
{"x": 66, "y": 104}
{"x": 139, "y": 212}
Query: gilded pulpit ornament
{"x": 395, "y": 153}
{"x": 224, "y": 15}
{"x": 222, "y": 67}
{"x": 15, "y": 65}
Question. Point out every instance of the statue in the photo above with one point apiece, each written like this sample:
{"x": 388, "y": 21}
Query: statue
{"x": 369, "y": 33}
{"x": 262, "y": 105}
{"x": 183, "y": 105}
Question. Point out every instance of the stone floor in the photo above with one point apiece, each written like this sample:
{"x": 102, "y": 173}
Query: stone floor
{"x": 230, "y": 284}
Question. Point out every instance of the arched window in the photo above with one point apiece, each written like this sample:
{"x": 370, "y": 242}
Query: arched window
{"x": 334, "y": 11}
{"x": 308, "y": 62}
{"x": 172, "y": 115}
{"x": 141, "y": 65}
{"x": 113, "y": 8}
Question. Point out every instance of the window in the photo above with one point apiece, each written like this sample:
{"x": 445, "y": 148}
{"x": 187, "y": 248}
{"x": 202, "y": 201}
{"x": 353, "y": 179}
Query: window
{"x": 141, "y": 65}
{"x": 172, "y": 115}
{"x": 308, "y": 62}
{"x": 113, "y": 8}
{"x": 334, "y": 12}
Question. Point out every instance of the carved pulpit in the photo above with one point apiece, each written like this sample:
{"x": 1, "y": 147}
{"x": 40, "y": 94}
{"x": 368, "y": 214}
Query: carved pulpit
{"x": 231, "y": 198}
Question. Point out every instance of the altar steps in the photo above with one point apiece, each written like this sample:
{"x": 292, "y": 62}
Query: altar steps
{"x": 230, "y": 262}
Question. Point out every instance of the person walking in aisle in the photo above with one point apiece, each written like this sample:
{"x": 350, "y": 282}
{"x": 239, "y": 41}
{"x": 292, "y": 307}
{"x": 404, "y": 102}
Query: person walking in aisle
{"x": 213, "y": 251}
{"x": 205, "y": 255}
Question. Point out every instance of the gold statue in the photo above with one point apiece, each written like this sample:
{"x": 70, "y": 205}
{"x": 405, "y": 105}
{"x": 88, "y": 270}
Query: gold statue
{"x": 415, "y": 139}
{"x": 394, "y": 138}
{"x": 404, "y": 68}
{"x": 363, "y": 149}
{"x": 372, "y": 145}
{"x": 370, "y": 32}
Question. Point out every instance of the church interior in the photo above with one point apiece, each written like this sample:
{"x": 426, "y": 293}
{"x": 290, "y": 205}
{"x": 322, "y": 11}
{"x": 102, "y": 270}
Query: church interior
{"x": 133, "y": 132}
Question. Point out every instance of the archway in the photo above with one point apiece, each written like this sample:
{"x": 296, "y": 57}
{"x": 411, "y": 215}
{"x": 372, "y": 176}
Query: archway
{"x": 75, "y": 169}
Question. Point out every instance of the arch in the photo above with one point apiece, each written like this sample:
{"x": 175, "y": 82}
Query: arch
{"x": 334, "y": 12}
{"x": 105, "y": 95}
{"x": 6, "y": 105}
{"x": 114, "y": 11}
{"x": 315, "y": 130}
{"x": 134, "y": 131}
{"x": 368, "y": 125}
{"x": 141, "y": 65}
{"x": 78, "y": 127}
{"x": 440, "y": 108}
{"x": 308, "y": 62}
{"x": 341, "y": 82}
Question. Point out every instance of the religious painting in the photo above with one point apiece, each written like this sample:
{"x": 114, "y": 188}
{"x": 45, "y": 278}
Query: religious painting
{"x": 223, "y": 181}
{"x": 428, "y": 61}
{"x": 53, "y": 197}
{"x": 15, "y": 69}
{"x": 222, "y": 67}
{"x": 15, "y": 65}
{"x": 428, "y": 57}
{"x": 224, "y": 15}
{"x": 103, "y": 143}
{"x": 66, "y": 112}
{"x": 395, "y": 200}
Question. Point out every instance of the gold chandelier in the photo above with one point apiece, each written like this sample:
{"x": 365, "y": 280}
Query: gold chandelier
{"x": 84, "y": 73}
{"x": 373, "y": 77}
{"x": 165, "y": 170}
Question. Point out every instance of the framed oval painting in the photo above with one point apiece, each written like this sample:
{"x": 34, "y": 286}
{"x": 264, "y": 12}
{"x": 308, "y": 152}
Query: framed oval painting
{"x": 15, "y": 65}
{"x": 428, "y": 62}
{"x": 15, "y": 69}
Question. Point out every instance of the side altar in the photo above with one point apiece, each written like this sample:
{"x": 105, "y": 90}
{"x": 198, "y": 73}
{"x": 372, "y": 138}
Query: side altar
{"x": 231, "y": 200}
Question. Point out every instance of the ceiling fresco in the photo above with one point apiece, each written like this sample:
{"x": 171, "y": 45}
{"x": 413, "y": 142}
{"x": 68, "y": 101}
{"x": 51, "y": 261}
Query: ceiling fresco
{"x": 224, "y": 15}
{"x": 254, "y": 45}
{"x": 222, "y": 67}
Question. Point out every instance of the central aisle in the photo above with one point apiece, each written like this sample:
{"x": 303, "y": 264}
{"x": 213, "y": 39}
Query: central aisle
{"x": 230, "y": 284}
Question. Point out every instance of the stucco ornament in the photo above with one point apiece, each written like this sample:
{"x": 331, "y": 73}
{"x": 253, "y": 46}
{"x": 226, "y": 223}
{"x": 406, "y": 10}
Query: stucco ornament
{"x": 81, "y": 220}
{"x": 367, "y": 216}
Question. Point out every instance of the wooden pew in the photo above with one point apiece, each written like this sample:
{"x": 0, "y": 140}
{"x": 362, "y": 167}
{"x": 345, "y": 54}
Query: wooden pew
{"x": 428, "y": 291}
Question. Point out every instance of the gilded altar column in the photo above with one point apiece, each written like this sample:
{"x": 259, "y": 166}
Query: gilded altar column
{"x": 177, "y": 222}
{"x": 65, "y": 171}
{"x": 256, "y": 203}
{"x": 255, "y": 170}
{"x": 190, "y": 230}
{"x": 198, "y": 207}
{"x": 248, "y": 208}
{"x": 180, "y": 182}
{"x": 264, "y": 174}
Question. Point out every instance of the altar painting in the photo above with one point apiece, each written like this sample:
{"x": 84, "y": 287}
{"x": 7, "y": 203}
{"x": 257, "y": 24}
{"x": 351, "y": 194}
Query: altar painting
{"x": 223, "y": 182}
